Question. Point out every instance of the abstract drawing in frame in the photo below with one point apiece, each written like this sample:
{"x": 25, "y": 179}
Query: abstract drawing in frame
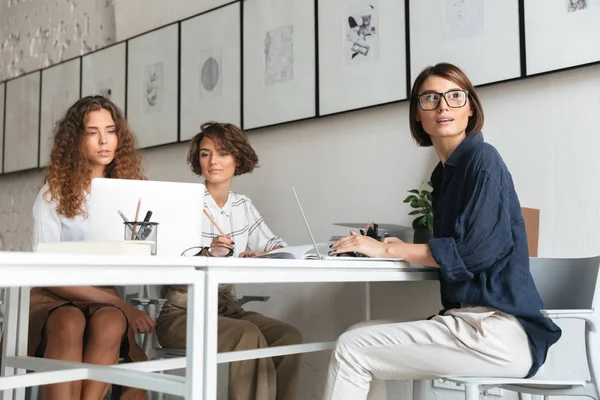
{"x": 210, "y": 69}
{"x": 104, "y": 74}
{"x": 60, "y": 89}
{"x": 561, "y": 34}
{"x": 362, "y": 54}
{"x": 479, "y": 36}
{"x": 279, "y": 62}
{"x": 152, "y": 86}
{"x": 21, "y": 133}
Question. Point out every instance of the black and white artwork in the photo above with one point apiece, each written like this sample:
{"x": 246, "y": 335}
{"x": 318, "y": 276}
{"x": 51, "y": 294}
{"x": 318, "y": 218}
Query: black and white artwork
{"x": 480, "y": 36}
{"x": 60, "y": 90}
{"x": 362, "y": 34}
{"x": 279, "y": 55}
{"x": 461, "y": 18}
{"x": 105, "y": 88}
{"x": 104, "y": 74}
{"x": 576, "y": 5}
{"x": 279, "y": 62}
{"x": 22, "y": 123}
{"x": 569, "y": 25}
{"x": 152, "y": 86}
{"x": 211, "y": 69}
{"x": 362, "y": 54}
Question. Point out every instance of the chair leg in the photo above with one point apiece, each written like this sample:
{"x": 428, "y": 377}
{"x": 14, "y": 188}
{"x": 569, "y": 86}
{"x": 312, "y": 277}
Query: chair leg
{"x": 472, "y": 392}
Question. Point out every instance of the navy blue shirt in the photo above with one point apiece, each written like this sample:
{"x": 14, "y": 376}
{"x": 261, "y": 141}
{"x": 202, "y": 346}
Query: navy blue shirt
{"x": 480, "y": 242}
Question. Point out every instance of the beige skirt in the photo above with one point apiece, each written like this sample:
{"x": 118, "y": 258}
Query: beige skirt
{"x": 43, "y": 302}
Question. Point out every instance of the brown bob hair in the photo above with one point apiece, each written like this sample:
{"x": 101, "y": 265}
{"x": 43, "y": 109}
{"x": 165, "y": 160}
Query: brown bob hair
{"x": 454, "y": 74}
{"x": 228, "y": 138}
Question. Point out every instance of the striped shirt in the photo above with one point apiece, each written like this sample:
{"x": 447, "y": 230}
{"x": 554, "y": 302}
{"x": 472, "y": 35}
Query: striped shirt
{"x": 240, "y": 219}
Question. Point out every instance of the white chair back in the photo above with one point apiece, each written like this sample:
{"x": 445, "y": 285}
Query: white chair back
{"x": 566, "y": 283}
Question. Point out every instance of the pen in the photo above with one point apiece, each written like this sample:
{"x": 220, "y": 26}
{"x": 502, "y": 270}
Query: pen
{"x": 142, "y": 231}
{"x": 126, "y": 220}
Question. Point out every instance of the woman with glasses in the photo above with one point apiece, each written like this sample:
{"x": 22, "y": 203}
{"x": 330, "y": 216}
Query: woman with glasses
{"x": 491, "y": 324}
{"x": 218, "y": 153}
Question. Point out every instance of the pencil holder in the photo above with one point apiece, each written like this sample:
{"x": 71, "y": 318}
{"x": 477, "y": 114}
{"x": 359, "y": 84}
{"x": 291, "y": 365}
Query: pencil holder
{"x": 147, "y": 231}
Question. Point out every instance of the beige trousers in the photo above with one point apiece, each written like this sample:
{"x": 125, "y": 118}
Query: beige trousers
{"x": 473, "y": 341}
{"x": 275, "y": 378}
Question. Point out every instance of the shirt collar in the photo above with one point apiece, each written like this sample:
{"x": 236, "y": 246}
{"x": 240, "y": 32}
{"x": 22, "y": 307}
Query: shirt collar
{"x": 214, "y": 208}
{"x": 463, "y": 148}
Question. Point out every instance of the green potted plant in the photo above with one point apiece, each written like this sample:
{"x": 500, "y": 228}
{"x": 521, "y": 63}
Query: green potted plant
{"x": 420, "y": 200}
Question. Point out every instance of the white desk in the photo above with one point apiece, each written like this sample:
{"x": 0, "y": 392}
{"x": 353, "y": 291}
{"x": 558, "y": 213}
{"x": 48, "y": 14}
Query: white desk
{"x": 202, "y": 274}
{"x": 239, "y": 270}
{"x": 20, "y": 271}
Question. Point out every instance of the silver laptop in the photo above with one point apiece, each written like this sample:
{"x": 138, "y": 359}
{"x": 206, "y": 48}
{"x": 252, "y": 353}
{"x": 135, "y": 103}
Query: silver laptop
{"x": 326, "y": 257}
{"x": 312, "y": 238}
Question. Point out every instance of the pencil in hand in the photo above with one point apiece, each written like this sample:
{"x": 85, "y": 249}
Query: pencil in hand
{"x": 215, "y": 224}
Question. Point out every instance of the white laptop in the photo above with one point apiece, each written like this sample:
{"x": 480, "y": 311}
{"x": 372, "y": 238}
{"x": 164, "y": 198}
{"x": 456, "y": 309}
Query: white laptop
{"x": 177, "y": 207}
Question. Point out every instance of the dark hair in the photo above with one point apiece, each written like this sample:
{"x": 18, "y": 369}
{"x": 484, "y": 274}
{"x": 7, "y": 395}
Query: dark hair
{"x": 456, "y": 75}
{"x": 228, "y": 138}
{"x": 68, "y": 173}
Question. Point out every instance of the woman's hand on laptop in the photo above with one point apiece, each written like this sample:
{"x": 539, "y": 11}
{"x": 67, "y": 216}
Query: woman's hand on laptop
{"x": 360, "y": 244}
{"x": 139, "y": 321}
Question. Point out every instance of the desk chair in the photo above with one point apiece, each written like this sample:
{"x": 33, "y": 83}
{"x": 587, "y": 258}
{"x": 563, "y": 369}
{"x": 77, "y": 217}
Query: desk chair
{"x": 570, "y": 290}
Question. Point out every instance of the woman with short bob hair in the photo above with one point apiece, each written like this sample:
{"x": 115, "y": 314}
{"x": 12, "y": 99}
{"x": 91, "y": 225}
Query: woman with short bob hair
{"x": 218, "y": 153}
{"x": 491, "y": 324}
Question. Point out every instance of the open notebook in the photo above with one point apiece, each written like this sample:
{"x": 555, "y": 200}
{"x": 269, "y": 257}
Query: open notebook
{"x": 305, "y": 252}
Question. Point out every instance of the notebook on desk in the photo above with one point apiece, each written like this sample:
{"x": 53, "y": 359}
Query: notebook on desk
{"x": 316, "y": 247}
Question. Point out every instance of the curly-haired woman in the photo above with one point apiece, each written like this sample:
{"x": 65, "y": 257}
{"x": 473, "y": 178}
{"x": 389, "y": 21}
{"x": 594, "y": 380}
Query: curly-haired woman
{"x": 85, "y": 324}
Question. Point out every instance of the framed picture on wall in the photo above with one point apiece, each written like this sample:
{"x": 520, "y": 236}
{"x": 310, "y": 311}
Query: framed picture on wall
{"x": 210, "y": 69}
{"x": 152, "y": 86}
{"x": 479, "y": 36}
{"x": 103, "y": 73}
{"x": 22, "y": 123}
{"x": 279, "y": 62}
{"x": 362, "y": 54}
{"x": 561, "y": 34}
{"x": 60, "y": 89}
{"x": 2, "y": 104}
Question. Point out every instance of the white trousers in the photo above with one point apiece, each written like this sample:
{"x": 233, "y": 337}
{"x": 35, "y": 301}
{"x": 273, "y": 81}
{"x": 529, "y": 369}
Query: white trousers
{"x": 473, "y": 341}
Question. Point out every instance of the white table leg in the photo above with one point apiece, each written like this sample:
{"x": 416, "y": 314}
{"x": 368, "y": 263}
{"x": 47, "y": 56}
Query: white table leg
{"x": 211, "y": 295}
{"x": 195, "y": 375}
{"x": 9, "y": 342}
{"x": 23, "y": 334}
{"x": 367, "y": 301}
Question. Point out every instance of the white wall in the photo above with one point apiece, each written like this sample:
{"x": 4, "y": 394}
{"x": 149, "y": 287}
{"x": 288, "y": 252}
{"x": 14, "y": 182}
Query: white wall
{"x": 356, "y": 166}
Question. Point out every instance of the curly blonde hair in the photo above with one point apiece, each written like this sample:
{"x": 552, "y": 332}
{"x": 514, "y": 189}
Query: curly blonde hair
{"x": 68, "y": 175}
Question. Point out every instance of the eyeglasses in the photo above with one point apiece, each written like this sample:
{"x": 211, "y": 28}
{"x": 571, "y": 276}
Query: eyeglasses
{"x": 431, "y": 101}
{"x": 210, "y": 251}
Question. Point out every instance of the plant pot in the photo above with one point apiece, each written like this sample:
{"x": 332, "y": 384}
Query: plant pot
{"x": 422, "y": 236}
